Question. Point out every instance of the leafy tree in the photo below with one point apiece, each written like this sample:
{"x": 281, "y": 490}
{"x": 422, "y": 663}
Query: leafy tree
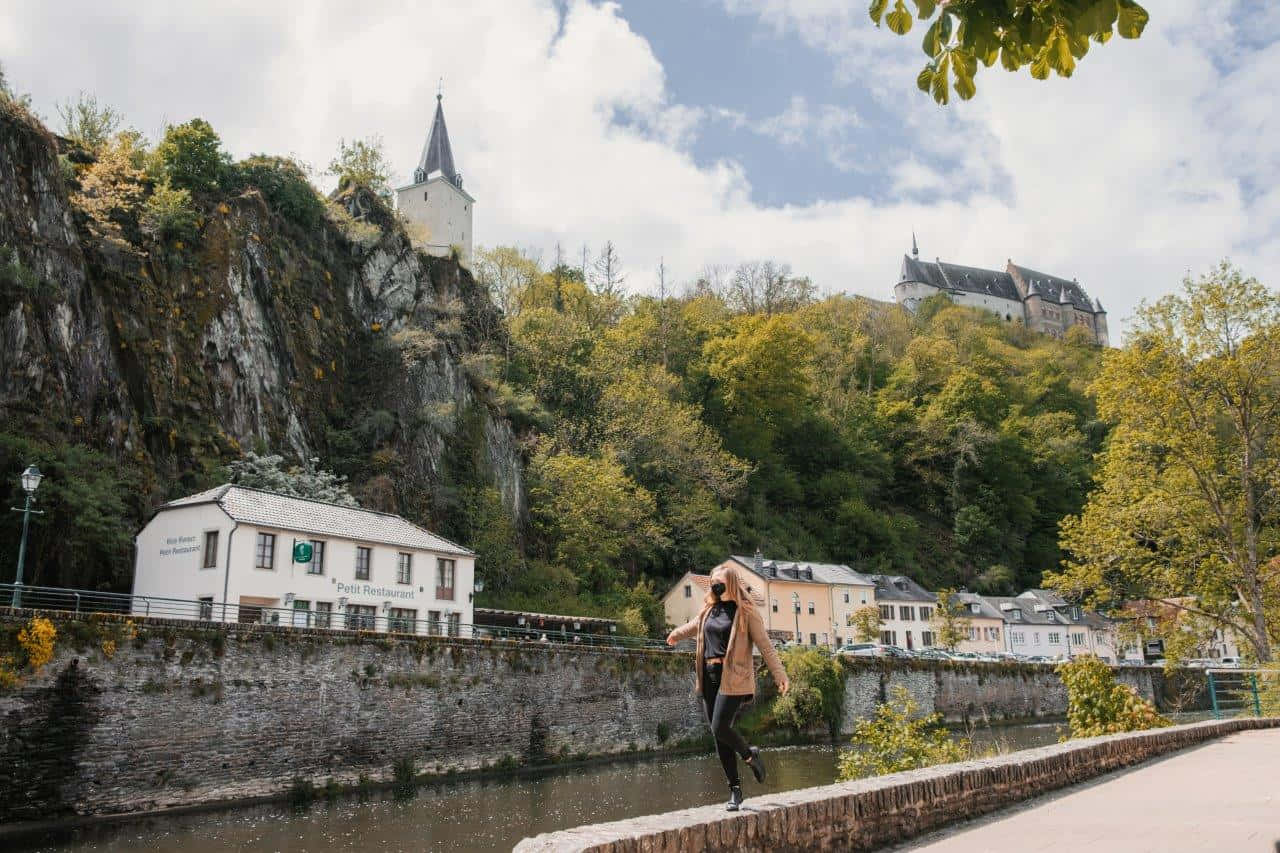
{"x": 1047, "y": 35}
{"x": 88, "y": 123}
{"x": 1188, "y": 497}
{"x": 1096, "y": 705}
{"x": 592, "y": 517}
{"x": 900, "y": 738}
{"x": 112, "y": 188}
{"x": 865, "y": 622}
{"x": 506, "y": 272}
{"x": 84, "y": 538}
{"x": 362, "y": 163}
{"x": 190, "y": 156}
{"x": 949, "y": 621}
{"x": 767, "y": 287}
{"x": 268, "y": 473}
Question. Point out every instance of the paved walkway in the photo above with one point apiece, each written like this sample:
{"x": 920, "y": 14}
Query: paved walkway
{"x": 1223, "y": 796}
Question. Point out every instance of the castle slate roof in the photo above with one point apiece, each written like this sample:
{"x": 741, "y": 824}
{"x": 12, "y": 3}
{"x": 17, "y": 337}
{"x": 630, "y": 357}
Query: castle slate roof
{"x": 319, "y": 518}
{"x": 785, "y": 570}
{"x": 956, "y": 277}
{"x": 1054, "y": 289}
{"x": 437, "y": 155}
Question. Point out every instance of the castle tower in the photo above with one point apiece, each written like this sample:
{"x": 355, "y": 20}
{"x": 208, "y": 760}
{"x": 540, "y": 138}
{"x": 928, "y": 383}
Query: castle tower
{"x": 436, "y": 199}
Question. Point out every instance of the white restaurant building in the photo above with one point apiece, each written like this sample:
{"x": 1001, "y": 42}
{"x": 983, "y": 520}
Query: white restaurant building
{"x": 228, "y": 552}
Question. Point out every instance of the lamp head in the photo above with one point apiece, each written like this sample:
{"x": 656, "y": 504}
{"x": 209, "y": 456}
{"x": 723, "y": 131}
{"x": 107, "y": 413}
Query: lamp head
{"x": 31, "y": 479}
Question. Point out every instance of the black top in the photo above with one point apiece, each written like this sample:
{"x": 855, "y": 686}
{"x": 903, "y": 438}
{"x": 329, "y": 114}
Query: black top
{"x": 715, "y": 629}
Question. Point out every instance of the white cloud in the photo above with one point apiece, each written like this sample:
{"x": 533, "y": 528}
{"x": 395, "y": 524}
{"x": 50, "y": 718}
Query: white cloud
{"x": 1160, "y": 155}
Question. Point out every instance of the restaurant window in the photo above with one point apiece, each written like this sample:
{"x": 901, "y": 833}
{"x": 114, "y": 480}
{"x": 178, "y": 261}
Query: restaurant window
{"x": 301, "y": 613}
{"x": 361, "y": 617}
{"x": 401, "y": 619}
{"x": 906, "y": 614}
{"x": 265, "y": 554}
{"x": 444, "y": 579}
{"x": 316, "y": 566}
{"x": 210, "y": 549}
{"x": 433, "y": 621}
{"x": 324, "y": 614}
{"x": 362, "y": 562}
{"x": 404, "y": 568}
{"x": 206, "y": 607}
{"x": 886, "y": 611}
{"x": 455, "y": 624}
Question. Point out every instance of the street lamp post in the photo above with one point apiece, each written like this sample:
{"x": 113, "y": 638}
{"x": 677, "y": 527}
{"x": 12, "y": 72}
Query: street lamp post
{"x": 30, "y": 482}
{"x": 795, "y": 600}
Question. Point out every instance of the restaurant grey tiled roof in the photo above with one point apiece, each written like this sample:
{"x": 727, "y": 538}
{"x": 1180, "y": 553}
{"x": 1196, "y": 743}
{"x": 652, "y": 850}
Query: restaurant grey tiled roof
{"x": 900, "y": 588}
{"x": 956, "y": 277}
{"x": 302, "y": 515}
{"x": 1054, "y": 289}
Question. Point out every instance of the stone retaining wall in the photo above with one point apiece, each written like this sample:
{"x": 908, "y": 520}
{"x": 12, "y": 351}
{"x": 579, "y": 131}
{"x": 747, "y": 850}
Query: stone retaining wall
{"x": 871, "y": 813}
{"x": 184, "y": 714}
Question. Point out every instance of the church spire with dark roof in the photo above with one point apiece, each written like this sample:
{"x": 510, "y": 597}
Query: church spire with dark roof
{"x": 915, "y": 250}
{"x": 437, "y": 156}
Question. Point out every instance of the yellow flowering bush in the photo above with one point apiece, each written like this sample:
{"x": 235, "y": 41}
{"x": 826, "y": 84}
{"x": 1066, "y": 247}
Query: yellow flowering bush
{"x": 37, "y": 641}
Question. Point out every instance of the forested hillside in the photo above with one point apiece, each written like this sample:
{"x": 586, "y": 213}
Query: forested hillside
{"x": 167, "y": 312}
{"x": 667, "y": 432}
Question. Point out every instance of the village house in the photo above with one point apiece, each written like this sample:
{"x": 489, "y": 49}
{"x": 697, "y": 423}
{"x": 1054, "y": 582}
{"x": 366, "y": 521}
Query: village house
{"x": 906, "y": 612}
{"x": 984, "y": 624}
{"x": 231, "y": 554}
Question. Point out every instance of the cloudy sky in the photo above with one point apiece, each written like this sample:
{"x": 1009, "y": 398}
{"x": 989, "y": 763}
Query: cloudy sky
{"x": 713, "y": 131}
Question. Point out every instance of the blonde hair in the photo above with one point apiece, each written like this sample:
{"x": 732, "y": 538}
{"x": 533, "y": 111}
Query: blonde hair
{"x": 736, "y": 589}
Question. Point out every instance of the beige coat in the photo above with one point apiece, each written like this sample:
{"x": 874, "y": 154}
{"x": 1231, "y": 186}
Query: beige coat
{"x": 739, "y": 677}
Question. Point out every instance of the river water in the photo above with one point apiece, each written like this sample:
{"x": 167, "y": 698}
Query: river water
{"x": 484, "y": 814}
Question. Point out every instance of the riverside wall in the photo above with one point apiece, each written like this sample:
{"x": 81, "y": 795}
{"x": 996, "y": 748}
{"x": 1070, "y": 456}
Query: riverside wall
{"x": 868, "y": 814}
{"x": 147, "y": 715}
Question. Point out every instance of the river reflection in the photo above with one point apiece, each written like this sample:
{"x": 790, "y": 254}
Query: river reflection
{"x": 484, "y": 814}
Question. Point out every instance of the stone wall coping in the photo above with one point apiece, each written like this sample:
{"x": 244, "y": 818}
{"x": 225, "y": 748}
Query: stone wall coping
{"x": 867, "y": 813}
{"x": 238, "y": 629}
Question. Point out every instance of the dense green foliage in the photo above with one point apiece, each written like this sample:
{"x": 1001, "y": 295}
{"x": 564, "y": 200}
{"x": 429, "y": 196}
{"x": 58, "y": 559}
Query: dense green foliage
{"x": 945, "y": 445}
{"x": 1043, "y": 34}
{"x": 190, "y": 156}
{"x": 899, "y": 738}
{"x": 1096, "y": 705}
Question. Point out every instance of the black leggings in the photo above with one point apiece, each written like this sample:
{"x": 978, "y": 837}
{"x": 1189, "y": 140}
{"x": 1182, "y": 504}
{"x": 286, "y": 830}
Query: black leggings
{"x": 721, "y": 711}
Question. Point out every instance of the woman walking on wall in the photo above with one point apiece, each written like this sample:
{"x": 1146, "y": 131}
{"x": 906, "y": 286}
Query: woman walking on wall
{"x": 724, "y": 674}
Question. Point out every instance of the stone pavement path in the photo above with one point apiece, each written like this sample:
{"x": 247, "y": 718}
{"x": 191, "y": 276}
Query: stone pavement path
{"x": 1223, "y": 796}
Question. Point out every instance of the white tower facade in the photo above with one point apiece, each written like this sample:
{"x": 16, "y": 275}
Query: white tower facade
{"x": 436, "y": 199}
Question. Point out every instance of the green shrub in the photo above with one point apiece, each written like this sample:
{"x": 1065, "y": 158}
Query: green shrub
{"x": 168, "y": 214}
{"x": 817, "y": 690}
{"x": 1096, "y": 705}
{"x": 362, "y": 163}
{"x": 899, "y": 738}
{"x": 283, "y": 183}
{"x": 301, "y": 793}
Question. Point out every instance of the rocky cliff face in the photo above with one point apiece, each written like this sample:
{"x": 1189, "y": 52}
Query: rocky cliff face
{"x": 339, "y": 341}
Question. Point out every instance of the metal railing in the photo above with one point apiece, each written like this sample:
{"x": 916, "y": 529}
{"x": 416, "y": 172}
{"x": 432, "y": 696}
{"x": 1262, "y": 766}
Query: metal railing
{"x": 1234, "y": 692}
{"x": 362, "y": 618}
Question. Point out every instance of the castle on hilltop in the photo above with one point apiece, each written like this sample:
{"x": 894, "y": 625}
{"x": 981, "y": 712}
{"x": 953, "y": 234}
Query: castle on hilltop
{"x": 1045, "y": 303}
{"x": 436, "y": 199}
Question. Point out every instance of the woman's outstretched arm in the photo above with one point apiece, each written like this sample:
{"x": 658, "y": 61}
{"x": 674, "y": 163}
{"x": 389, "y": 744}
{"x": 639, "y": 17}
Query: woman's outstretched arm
{"x": 760, "y": 637}
{"x": 685, "y": 631}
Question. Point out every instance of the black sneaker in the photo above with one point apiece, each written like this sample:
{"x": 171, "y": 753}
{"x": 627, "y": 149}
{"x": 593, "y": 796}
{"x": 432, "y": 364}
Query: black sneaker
{"x": 735, "y": 798}
{"x": 756, "y": 763}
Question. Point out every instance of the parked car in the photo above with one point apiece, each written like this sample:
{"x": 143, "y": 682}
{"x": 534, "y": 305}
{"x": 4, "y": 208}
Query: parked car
{"x": 933, "y": 654}
{"x": 863, "y": 650}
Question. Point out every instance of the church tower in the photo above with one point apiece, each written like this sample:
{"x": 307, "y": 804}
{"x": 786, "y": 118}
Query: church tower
{"x": 436, "y": 198}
